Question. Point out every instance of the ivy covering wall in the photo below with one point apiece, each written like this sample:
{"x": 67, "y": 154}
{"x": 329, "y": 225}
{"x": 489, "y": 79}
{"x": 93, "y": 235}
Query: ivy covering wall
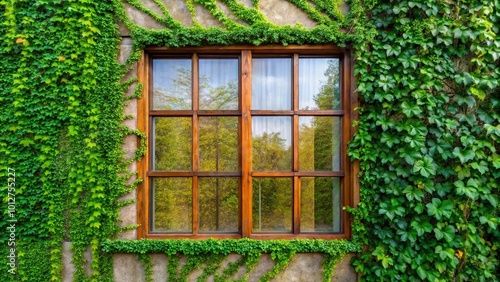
{"x": 428, "y": 142}
{"x": 428, "y": 130}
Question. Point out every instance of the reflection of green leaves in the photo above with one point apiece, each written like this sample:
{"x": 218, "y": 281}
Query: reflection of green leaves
{"x": 270, "y": 153}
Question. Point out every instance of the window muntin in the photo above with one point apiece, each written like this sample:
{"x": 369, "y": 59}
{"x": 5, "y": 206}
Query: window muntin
{"x": 304, "y": 172}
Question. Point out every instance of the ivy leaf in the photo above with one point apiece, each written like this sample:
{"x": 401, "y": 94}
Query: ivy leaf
{"x": 478, "y": 92}
{"x": 464, "y": 155}
{"x": 482, "y": 167}
{"x": 26, "y": 142}
{"x": 425, "y": 227}
{"x": 495, "y": 160}
{"x": 490, "y": 129}
{"x": 421, "y": 273}
{"x": 410, "y": 110}
{"x": 448, "y": 233}
{"x": 439, "y": 209}
{"x": 492, "y": 222}
{"x": 419, "y": 208}
{"x": 426, "y": 166}
{"x": 412, "y": 194}
{"x": 493, "y": 199}
{"x": 389, "y": 139}
{"x": 467, "y": 190}
{"x": 445, "y": 253}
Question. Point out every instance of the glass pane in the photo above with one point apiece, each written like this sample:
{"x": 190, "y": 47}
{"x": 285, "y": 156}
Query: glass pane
{"x": 172, "y": 204}
{"x": 319, "y": 143}
{"x": 272, "y": 143}
{"x": 218, "y": 204}
{"x": 319, "y": 84}
{"x": 320, "y": 206}
{"x": 219, "y": 84}
{"x": 271, "y": 84}
{"x": 218, "y": 143}
{"x": 172, "y": 143}
{"x": 272, "y": 204}
{"x": 172, "y": 84}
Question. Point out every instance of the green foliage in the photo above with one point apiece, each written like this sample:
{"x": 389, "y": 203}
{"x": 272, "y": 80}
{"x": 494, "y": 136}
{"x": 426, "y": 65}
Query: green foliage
{"x": 427, "y": 144}
{"x": 62, "y": 107}
{"x": 34, "y": 264}
{"x": 207, "y": 255}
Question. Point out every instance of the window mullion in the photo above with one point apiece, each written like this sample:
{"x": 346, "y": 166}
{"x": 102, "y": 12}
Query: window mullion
{"x": 295, "y": 145}
{"x": 246, "y": 143}
{"x": 295, "y": 79}
{"x": 296, "y": 205}
{"x": 195, "y": 148}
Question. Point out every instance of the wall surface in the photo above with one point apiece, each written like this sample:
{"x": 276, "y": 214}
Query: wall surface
{"x": 302, "y": 268}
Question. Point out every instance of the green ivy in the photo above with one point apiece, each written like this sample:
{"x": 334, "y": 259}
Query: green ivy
{"x": 34, "y": 263}
{"x": 62, "y": 108}
{"x": 428, "y": 142}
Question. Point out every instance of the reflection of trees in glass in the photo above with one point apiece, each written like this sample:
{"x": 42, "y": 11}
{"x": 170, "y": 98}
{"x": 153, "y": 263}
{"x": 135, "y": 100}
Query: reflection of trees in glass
{"x": 319, "y": 150}
{"x": 222, "y": 97}
{"x": 329, "y": 95}
{"x": 218, "y": 84}
{"x": 172, "y": 143}
{"x": 319, "y": 84}
{"x": 218, "y": 151}
{"x": 270, "y": 153}
{"x": 218, "y": 204}
{"x": 218, "y": 143}
{"x": 172, "y": 204}
{"x": 271, "y": 204}
{"x": 320, "y": 198}
{"x": 327, "y": 153}
{"x": 174, "y": 94}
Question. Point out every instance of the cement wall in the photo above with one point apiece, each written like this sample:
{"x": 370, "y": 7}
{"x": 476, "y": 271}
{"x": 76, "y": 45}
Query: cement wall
{"x": 302, "y": 268}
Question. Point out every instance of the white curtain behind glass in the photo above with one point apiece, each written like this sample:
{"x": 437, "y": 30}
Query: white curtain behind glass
{"x": 272, "y": 84}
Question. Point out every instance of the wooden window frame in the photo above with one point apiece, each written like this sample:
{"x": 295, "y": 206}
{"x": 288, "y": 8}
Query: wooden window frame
{"x": 349, "y": 102}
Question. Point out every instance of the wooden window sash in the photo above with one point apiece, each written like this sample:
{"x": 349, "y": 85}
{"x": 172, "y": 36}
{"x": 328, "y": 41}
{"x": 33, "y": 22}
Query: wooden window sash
{"x": 245, "y": 114}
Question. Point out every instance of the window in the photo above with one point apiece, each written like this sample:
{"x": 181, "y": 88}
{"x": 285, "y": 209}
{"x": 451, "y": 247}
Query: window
{"x": 246, "y": 143}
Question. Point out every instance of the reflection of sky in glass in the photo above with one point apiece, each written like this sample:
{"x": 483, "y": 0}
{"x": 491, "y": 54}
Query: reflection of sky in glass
{"x": 334, "y": 130}
{"x": 280, "y": 125}
{"x": 218, "y": 84}
{"x": 312, "y": 78}
{"x": 172, "y": 84}
{"x": 271, "y": 84}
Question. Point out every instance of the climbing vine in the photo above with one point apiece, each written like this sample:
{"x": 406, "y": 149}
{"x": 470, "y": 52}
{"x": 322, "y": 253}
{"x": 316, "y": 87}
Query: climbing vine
{"x": 62, "y": 108}
{"x": 428, "y": 142}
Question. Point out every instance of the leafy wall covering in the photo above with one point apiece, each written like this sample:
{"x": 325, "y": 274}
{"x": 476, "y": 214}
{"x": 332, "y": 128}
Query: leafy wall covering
{"x": 427, "y": 141}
